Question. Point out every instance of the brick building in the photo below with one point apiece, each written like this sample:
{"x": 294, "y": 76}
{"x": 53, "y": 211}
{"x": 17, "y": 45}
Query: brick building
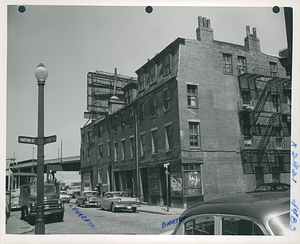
{"x": 218, "y": 113}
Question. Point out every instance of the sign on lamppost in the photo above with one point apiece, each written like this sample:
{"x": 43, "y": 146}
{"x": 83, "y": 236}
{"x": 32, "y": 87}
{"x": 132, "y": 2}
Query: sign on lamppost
{"x": 33, "y": 140}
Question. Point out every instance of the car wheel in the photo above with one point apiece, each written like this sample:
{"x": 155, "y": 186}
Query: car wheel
{"x": 60, "y": 217}
{"x": 31, "y": 220}
{"x": 113, "y": 208}
{"x": 134, "y": 209}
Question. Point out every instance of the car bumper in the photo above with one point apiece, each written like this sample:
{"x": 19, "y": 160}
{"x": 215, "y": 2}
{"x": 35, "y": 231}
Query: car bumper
{"x": 91, "y": 203}
{"x": 50, "y": 212}
{"x": 129, "y": 207}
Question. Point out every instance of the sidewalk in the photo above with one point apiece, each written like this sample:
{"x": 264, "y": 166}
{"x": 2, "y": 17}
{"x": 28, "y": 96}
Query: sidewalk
{"x": 160, "y": 210}
{"x": 17, "y": 226}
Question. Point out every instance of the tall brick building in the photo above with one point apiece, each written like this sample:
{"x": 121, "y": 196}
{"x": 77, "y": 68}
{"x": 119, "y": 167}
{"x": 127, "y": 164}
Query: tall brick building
{"x": 218, "y": 113}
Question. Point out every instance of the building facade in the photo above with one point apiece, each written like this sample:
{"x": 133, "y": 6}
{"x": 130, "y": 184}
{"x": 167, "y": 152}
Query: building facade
{"x": 218, "y": 113}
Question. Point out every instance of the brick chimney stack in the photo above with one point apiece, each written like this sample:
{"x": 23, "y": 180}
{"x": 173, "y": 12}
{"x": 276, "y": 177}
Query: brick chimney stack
{"x": 251, "y": 41}
{"x": 204, "y": 32}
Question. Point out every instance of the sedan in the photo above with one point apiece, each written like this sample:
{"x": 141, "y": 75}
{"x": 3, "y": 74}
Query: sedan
{"x": 273, "y": 187}
{"x": 88, "y": 198}
{"x": 64, "y": 197}
{"x": 266, "y": 213}
{"x": 15, "y": 195}
{"x": 118, "y": 200}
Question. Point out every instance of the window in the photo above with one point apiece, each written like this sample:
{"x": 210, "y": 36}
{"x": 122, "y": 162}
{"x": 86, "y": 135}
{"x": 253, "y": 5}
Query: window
{"x": 100, "y": 131}
{"x": 100, "y": 151}
{"x": 246, "y": 97}
{"x": 202, "y": 225}
{"x": 167, "y": 99}
{"x": 153, "y": 106}
{"x": 143, "y": 144}
{"x": 273, "y": 69}
{"x": 108, "y": 148}
{"x": 192, "y": 180}
{"x": 128, "y": 96}
{"x": 152, "y": 74}
{"x": 116, "y": 150}
{"x": 82, "y": 138}
{"x": 132, "y": 145}
{"x": 89, "y": 136}
{"x": 167, "y": 69}
{"x": 276, "y": 103}
{"x": 192, "y": 96}
{"x": 237, "y": 226}
{"x": 142, "y": 81}
{"x": 154, "y": 140}
{"x": 278, "y": 137}
{"x": 168, "y": 135}
{"x": 123, "y": 149}
{"x": 123, "y": 121}
{"x": 142, "y": 111}
{"x": 194, "y": 134}
{"x": 89, "y": 155}
{"x": 115, "y": 124}
{"x": 130, "y": 116}
{"x": 242, "y": 69}
{"x": 227, "y": 63}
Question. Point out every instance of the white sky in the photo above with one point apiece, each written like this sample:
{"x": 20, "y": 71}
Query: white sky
{"x": 72, "y": 41}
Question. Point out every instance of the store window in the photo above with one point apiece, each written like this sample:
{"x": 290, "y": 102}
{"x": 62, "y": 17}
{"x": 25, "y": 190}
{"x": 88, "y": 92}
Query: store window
{"x": 192, "y": 180}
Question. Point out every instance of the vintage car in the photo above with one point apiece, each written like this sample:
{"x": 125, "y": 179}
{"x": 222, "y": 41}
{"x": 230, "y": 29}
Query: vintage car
{"x": 272, "y": 187}
{"x": 118, "y": 200}
{"x": 15, "y": 195}
{"x": 88, "y": 198}
{"x": 266, "y": 213}
{"x": 74, "y": 191}
{"x": 64, "y": 197}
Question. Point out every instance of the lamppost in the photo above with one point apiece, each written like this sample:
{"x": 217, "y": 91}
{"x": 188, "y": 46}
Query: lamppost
{"x": 41, "y": 74}
{"x": 167, "y": 183}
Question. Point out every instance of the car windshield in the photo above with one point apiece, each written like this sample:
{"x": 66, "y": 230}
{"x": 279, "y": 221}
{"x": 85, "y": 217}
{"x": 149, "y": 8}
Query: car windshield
{"x": 280, "y": 224}
{"x": 47, "y": 189}
{"x": 91, "y": 193}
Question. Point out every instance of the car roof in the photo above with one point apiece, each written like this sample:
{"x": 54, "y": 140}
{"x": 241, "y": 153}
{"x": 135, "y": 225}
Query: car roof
{"x": 116, "y": 192}
{"x": 274, "y": 184}
{"x": 260, "y": 206}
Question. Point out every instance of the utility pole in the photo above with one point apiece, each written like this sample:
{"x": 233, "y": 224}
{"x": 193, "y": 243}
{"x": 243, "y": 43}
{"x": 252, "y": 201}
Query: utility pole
{"x": 167, "y": 184}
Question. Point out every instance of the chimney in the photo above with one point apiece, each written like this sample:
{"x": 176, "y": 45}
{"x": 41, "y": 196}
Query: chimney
{"x": 204, "y": 32}
{"x": 251, "y": 41}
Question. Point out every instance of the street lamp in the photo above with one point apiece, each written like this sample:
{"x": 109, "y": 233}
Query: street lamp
{"x": 41, "y": 74}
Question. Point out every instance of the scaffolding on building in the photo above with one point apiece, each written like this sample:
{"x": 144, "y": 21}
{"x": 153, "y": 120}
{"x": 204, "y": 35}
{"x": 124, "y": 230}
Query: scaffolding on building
{"x": 259, "y": 119}
{"x": 101, "y": 86}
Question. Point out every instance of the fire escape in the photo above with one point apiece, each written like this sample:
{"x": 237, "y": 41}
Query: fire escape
{"x": 258, "y": 119}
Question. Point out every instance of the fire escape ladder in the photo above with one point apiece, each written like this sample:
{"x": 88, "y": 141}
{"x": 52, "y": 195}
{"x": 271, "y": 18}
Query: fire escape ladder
{"x": 263, "y": 98}
{"x": 266, "y": 137}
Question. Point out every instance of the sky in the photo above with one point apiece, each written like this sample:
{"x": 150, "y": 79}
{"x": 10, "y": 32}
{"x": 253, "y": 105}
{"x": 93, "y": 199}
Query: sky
{"x": 74, "y": 40}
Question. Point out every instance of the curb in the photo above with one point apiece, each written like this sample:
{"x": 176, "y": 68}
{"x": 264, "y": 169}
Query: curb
{"x": 31, "y": 228}
{"x": 162, "y": 213}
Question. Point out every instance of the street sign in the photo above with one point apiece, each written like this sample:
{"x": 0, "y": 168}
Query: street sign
{"x": 27, "y": 139}
{"x": 49, "y": 139}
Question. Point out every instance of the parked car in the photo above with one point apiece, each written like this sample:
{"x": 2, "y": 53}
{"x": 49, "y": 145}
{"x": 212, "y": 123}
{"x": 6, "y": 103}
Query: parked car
{"x": 88, "y": 198}
{"x": 266, "y": 213}
{"x": 64, "y": 197}
{"x": 74, "y": 191}
{"x": 15, "y": 196}
{"x": 118, "y": 200}
{"x": 272, "y": 187}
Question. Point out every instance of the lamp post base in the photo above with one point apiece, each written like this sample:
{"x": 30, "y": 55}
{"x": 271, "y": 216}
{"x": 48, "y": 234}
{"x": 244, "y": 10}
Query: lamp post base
{"x": 39, "y": 221}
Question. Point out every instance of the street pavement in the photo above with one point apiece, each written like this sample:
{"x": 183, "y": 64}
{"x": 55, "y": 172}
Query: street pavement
{"x": 146, "y": 221}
